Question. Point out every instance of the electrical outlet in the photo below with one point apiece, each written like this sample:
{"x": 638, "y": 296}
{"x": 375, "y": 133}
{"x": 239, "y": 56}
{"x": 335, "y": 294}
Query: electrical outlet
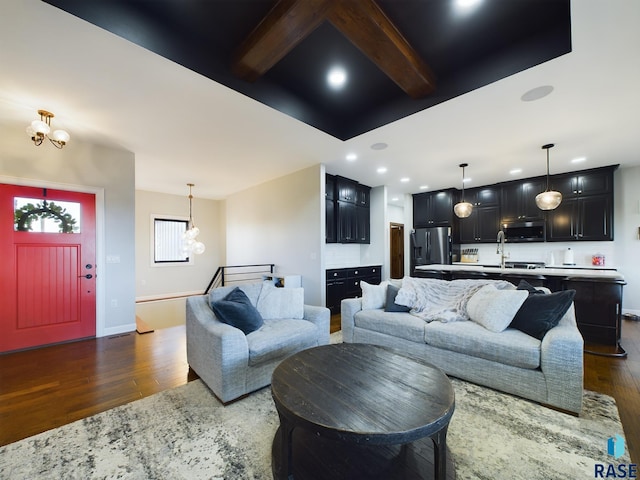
{"x": 114, "y": 303}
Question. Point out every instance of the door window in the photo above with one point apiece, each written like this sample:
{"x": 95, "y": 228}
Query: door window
{"x": 45, "y": 216}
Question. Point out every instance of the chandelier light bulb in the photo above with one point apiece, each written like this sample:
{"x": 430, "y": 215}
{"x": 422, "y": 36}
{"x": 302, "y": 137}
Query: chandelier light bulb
{"x": 198, "y": 248}
{"x": 60, "y": 136}
{"x": 40, "y": 127}
{"x": 463, "y": 209}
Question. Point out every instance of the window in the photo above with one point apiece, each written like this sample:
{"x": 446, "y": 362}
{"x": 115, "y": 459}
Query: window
{"x": 166, "y": 248}
{"x": 45, "y": 216}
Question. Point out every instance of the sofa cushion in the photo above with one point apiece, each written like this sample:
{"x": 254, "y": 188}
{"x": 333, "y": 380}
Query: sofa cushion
{"x": 275, "y": 302}
{"x": 280, "y": 338}
{"x": 251, "y": 290}
{"x": 236, "y": 310}
{"x": 494, "y": 309}
{"x": 373, "y": 296}
{"x": 540, "y": 313}
{"x": 401, "y": 325}
{"x": 510, "y": 347}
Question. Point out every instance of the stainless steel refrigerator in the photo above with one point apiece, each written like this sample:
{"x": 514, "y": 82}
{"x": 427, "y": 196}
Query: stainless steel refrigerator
{"x": 431, "y": 246}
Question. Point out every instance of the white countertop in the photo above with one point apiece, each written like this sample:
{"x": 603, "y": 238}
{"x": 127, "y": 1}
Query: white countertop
{"x": 550, "y": 271}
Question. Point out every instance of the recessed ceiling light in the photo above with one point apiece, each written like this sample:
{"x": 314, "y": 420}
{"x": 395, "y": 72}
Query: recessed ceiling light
{"x": 379, "y": 146}
{"x": 466, "y": 180}
{"x": 337, "y": 78}
{"x": 423, "y": 187}
{"x": 395, "y": 199}
{"x": 382, "y": 170}
{"x": 536, "y": 93}
{"x": 351, "y": 157}
{"x": 405, "y": 179}
{"x": 515, "y": 171}
{"x": 579, "y": 160}
{"x": 464, "y": 5}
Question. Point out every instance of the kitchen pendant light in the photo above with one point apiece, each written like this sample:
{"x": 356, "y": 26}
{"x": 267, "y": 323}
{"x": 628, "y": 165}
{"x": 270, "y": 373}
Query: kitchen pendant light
{"x": 549, "y": 199}
{"x": 463, "y": 209}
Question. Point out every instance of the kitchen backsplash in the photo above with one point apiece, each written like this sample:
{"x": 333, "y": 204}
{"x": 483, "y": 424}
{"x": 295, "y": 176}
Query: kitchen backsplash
{"x": 543, "y": 252}
{"x": 340, "y": 255}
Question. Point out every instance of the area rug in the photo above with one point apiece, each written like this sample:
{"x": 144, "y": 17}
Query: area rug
{"x": 185, "y": 433}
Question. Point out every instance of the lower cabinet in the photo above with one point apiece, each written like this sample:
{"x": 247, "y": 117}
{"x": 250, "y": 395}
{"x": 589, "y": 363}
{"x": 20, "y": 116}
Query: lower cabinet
{"x": 345, "y": 283}
{"x": 598, "y": 304}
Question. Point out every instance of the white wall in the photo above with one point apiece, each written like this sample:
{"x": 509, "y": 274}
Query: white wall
{"x": 281, "y": 222}
{"x": 86, "y": 167}
{"x": 161, "y": 281}
{"x": 627, "y": 238}
{"x": 377, "y": 251}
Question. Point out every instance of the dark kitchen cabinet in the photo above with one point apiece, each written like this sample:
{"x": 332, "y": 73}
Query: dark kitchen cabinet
{"x": 345, "y": 283}
{"x": 363, "y": 224}
{"x": 598, "y": 306}
{"x": 362, "y": 195}
{"x": 583, "y": 219}
{"x": 330, "y": 210}
{"x": 483, "y": 224}
{"x": 586, "y": 211}
{"x": 346, "y": 189}
{"x": 346, "y": 222}
{"x": 518, "y": 202}
{"x": 433, "y": 209}
{"x": 347, "y": 213}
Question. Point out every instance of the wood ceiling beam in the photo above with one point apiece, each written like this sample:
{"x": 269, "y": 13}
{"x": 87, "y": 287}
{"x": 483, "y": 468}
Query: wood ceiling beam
{"x": 369, "y": 29}
{"x": 362, "y": 22}
{"x": 287, "y": 24}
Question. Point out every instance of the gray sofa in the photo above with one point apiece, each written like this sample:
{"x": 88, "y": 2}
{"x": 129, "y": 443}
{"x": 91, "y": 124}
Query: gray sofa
{"x": 548, "y": 371}
{"x": 233, "y": 364}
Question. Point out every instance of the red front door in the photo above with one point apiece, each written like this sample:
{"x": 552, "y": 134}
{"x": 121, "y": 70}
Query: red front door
{"x": 47, "y": 271}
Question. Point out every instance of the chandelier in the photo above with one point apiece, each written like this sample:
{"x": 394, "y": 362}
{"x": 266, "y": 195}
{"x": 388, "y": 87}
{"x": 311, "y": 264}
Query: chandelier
{"x": 189, "y": 242}
{"x": 40, "y": 129}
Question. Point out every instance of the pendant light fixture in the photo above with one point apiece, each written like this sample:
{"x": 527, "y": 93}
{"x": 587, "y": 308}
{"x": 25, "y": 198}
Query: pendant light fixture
{"x": 189, "y": 243}
{"x": 549, "y": 199}
{"x": 38, "y": 130}
{"x": 463, "y": 209}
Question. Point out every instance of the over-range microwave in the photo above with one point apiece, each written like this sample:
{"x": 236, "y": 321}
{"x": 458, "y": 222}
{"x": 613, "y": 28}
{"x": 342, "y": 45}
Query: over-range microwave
{"x": 534, "y": 231}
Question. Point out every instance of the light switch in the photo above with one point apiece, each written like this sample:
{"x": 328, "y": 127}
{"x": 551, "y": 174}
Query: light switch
{"x": 113, "y": 258}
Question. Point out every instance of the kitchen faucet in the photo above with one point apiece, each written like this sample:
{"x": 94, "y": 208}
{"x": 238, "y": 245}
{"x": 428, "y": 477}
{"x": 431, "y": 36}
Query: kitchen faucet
{"x": 500, "y": 248}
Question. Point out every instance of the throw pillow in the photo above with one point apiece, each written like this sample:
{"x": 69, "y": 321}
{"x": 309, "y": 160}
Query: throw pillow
{"x": 373, "y": 296}
{"x": 540, "y": 313}
{"x": 524, "y": 285}
{"x": 236, "y": 310}
{"x": 280, "y": 303}
{"x": 494, "y": 309}
{"x": 390, "y": 303}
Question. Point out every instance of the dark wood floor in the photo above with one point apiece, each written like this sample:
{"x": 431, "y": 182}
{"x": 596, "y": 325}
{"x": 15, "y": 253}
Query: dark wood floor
{"x": 48, "y": 387}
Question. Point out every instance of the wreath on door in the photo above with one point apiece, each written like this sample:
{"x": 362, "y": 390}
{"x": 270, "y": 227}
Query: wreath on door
{"x": 29, "y": 213}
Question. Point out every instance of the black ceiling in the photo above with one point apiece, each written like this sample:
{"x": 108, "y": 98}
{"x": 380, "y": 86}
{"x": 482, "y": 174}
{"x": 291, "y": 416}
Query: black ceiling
{"x": 465, "y": 52}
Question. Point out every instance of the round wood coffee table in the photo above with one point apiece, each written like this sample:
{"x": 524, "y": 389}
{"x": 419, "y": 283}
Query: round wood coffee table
{"x": 361, "y": 411}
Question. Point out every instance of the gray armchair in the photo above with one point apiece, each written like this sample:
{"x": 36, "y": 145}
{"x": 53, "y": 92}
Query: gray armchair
{"x": 233, "y": 364}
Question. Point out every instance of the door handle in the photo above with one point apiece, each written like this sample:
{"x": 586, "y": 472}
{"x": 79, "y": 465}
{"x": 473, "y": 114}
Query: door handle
{"x": 87, "y": 276}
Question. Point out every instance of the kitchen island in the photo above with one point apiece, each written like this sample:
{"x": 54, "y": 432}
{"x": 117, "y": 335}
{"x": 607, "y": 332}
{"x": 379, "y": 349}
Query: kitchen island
{"x": 598, "y": 300}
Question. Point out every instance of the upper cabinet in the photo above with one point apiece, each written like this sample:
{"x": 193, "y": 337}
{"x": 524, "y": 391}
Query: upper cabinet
{"x": 433, "y": 209}
{"x": 330, "y": 209}
{"x": 586, "y": 211}
{"x": 519, "y": 200}
{"x": 484, "y": 222}
{"x": 348, "y": 214}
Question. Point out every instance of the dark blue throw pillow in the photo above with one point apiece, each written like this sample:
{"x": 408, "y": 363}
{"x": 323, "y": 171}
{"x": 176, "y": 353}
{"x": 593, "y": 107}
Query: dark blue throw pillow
{"x": 236, "y": 310}
{"x": 540, "y": 313}
{"x": 391, "y": 305}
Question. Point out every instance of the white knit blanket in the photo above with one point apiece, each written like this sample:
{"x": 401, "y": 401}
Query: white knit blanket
{"x": 432, "y": 299}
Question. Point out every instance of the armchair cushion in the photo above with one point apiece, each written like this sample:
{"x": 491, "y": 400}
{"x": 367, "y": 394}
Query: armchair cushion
{"x": 279, "y": 338}
{"x": 235, "y": 309}
{"x": 279, "y": 303}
